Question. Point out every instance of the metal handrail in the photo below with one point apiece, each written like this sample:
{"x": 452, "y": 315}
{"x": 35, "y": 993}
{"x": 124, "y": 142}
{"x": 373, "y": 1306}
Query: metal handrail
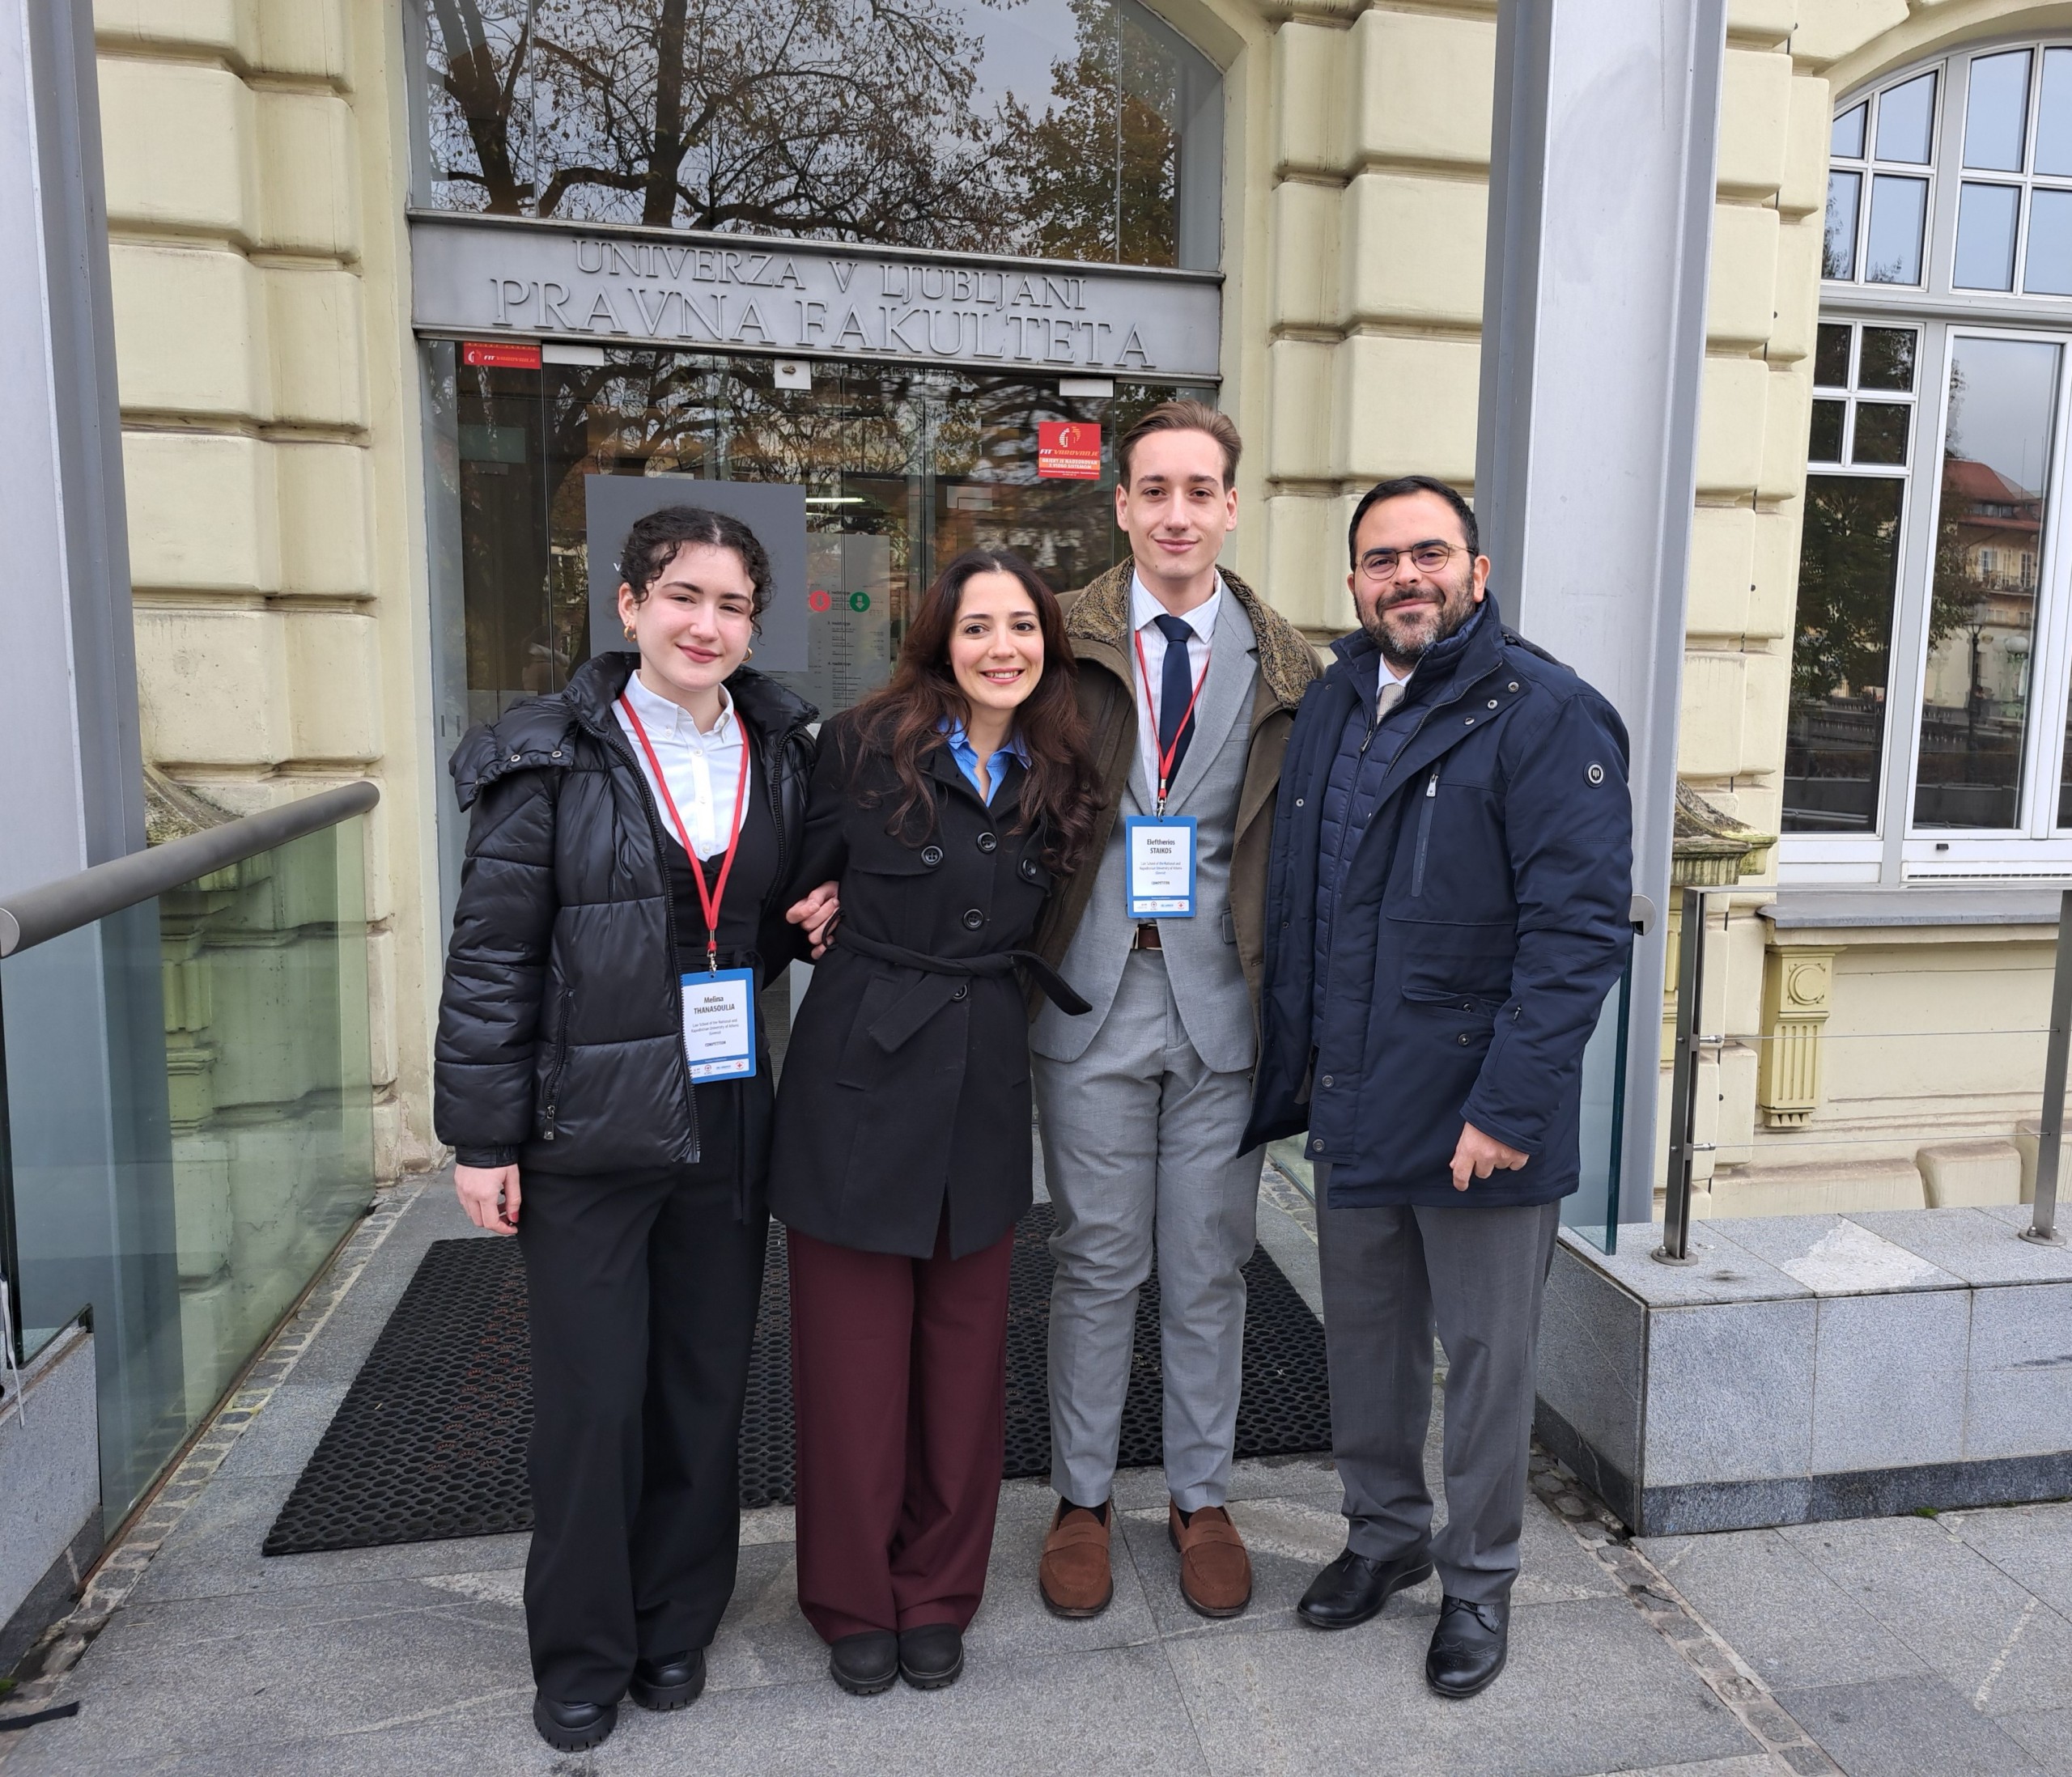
{"x": 36, "y": 915}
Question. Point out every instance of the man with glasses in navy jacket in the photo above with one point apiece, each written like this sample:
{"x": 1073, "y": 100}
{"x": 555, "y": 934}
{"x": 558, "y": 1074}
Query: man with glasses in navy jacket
{"x": 1447, "y": 907}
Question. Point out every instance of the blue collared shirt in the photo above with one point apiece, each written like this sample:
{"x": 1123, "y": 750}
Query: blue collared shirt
{"x": 966, "y": 755}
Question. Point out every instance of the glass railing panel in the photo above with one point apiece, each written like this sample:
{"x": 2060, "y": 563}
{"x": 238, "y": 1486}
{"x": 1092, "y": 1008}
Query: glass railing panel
{"x": 190, "y": 1122}
{"x": 1592, "y": 1208}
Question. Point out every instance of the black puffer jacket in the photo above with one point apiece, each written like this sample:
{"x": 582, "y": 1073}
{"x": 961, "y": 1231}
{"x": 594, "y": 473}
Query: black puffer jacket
{"x": 560, "y": 1029}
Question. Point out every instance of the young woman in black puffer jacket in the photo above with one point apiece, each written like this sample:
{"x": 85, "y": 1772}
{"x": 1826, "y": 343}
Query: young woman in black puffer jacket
{"x": 623, "y": 900}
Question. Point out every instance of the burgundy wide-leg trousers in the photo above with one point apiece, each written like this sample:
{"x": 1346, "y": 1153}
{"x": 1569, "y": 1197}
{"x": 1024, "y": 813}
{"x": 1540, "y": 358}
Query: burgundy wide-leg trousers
{"x": 898, "y": 1384}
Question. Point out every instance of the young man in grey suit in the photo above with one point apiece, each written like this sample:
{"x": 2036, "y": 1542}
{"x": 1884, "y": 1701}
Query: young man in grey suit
{"x": 1189, "y": 682}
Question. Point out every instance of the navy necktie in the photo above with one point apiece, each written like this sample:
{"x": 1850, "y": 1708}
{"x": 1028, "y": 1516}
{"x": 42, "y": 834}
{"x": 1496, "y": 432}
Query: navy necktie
{"x": 1176, "y": 687}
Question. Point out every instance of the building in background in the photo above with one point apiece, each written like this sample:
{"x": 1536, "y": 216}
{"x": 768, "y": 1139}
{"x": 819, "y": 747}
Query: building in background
{"x": 398, "y": 280}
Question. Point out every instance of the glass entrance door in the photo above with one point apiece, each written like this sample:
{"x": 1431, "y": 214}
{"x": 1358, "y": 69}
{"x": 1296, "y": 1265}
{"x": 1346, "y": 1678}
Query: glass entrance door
{"x": 903, "y": 466}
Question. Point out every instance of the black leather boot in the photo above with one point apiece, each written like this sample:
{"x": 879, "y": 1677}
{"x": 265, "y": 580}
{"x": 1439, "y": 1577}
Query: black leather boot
{"x": 930, "y": 1657}
{"x": 1468, "y": 1647}
{"x": 574, "y": 1727}
{"x": 673, "y": 1683}
{"x": 1352, "y": 1589}
{"x": 864, "y": 1664}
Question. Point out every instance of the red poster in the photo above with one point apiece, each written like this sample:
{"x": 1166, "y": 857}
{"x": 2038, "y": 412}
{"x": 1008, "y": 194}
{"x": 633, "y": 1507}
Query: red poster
{"x": 500, "y": 354}
{"x": 1068, "y": 449}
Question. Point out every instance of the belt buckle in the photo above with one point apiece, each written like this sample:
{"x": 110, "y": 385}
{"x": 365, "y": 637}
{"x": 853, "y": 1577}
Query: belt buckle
{"x": 1147, "y": 936}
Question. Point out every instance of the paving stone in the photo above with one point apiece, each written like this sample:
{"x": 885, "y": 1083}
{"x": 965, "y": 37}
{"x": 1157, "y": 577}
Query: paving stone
{"x": 1725, "y": 1271}
{"x": 2045, "y": 1734}
{"x": 1776, "y": 1608}
{"x": 1833, "y": 1256}
{"x": 1916, "y": 1727}
{"x": 216, "y": 1550}
{"x": 1748, "y": 1765}
{"x": 280, "y": 1438}
{"x": 1356, "y": 1701}
{"x": 1962, "y": 1615}
{"x": 2032, "y": 1544}
{"x": 1973, "y": 1244}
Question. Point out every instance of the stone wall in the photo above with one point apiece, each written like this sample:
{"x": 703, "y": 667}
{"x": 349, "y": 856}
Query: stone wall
{"x": 255, "y": 153}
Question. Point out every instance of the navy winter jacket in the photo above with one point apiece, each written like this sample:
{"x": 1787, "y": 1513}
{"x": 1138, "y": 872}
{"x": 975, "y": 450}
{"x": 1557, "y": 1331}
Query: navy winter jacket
{"x": 1479, "y": 916}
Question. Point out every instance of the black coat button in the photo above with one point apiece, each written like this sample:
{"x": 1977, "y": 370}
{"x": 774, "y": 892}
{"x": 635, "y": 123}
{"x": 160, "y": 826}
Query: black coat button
{"x": 1463, "y": 1039}
{"x": 987, "y": 842}
{"x": 1028, "y": 871}
{"x": 963, "y": 988}
{"x": 972, "y": 919}
{"x": 1326, "y": 1079}
{"x": 932, "y": 855}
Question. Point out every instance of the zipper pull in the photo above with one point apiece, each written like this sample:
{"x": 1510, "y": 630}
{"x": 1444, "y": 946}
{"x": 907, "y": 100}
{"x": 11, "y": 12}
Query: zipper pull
{"x": 1432, "y": 785}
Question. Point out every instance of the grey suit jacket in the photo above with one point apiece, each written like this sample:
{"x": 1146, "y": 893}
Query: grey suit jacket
{"x": 1200, "y": 953}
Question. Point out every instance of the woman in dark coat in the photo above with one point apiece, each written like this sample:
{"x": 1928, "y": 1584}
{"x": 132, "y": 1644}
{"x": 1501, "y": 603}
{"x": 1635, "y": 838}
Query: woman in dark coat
{"x": 945, "y": 806}
{"x": 632, "y": 843}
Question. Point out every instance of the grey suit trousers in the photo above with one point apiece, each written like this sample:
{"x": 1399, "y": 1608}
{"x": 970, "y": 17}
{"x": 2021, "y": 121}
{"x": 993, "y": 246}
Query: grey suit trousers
{"x": 1391, "y": 1277}
{"x": 1140, "y": 1152}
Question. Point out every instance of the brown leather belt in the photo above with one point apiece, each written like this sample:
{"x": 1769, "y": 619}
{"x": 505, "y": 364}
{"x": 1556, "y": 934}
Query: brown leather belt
{"x": 1146, "y": 939}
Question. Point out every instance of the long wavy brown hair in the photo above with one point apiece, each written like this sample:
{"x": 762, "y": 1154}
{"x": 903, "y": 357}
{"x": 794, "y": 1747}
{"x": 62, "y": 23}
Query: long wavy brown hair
{"x": 1060, "y": 792}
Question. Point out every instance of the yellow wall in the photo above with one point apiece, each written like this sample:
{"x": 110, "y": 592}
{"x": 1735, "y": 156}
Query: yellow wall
{"x": 254, "y": 156}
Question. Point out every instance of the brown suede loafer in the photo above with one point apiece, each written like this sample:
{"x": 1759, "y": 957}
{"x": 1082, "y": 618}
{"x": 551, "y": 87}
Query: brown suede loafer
{"x": 1215, "y": 1574}
{"x": 1073, "y": 1574}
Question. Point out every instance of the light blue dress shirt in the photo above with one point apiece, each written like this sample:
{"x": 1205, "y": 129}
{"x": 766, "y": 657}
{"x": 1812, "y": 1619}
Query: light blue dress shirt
{"x": 966, "y": 755}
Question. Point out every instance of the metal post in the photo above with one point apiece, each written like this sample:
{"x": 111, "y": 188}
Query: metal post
{"x": 1675, "y": 1248}
{"x": 2050, "y": 1130}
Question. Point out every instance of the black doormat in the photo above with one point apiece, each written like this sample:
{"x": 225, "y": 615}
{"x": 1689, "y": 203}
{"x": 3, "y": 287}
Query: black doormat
{"x": 429, "y": 1439}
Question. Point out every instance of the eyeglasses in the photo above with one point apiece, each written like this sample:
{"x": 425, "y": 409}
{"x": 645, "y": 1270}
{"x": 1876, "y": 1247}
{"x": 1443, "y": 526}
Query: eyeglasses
{"x": 1427, "y": 558}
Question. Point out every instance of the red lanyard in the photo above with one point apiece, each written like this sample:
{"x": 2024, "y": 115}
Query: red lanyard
{"x": 708, "y": 903}
{"x": 1165, "y": 754}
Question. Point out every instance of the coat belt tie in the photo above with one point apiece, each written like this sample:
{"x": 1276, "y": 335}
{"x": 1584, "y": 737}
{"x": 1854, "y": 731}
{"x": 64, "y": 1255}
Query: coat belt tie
{"x": 913, "y": 1009}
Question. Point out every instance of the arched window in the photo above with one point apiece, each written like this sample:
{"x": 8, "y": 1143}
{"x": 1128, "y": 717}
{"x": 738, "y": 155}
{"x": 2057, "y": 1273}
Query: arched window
{"x": 1081, "y": 129}
{"x": 1932, "y": 667}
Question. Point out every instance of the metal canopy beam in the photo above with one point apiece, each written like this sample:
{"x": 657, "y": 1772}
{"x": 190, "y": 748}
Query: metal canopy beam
{"x": 1602, "y": 172}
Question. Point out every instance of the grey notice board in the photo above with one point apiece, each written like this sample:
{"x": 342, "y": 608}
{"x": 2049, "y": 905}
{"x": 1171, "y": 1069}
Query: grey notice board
{"x": 774, "y": 511}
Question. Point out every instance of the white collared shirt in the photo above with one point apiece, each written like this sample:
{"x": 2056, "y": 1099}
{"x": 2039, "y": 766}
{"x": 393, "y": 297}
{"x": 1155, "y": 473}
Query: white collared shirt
{"x": 703, "y": 770}
{"x": 1144, "y": 610}
{"x": 1383, "y": 703}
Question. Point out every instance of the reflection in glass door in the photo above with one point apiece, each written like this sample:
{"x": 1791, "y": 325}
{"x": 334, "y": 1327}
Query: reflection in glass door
{"x": 904, "y": 466}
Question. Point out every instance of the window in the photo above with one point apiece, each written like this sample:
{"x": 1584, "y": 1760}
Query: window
{"x": 1081, "y": 129}
{"x": 1931, "y": 688}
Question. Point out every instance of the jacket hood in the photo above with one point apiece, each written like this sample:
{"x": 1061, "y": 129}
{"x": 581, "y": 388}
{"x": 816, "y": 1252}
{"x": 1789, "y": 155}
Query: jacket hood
{"x": 1100, "y": 614}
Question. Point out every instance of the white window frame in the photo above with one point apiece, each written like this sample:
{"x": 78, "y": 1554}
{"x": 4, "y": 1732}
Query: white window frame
{"x": 1898, "y": 852}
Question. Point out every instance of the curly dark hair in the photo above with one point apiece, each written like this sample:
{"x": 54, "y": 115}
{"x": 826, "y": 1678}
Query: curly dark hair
{"x": 653, "y": 542}
{"x": 1061, "y": 792}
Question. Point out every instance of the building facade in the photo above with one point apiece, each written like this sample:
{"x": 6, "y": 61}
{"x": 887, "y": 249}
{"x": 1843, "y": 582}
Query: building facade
{"x": 414, "y": 295}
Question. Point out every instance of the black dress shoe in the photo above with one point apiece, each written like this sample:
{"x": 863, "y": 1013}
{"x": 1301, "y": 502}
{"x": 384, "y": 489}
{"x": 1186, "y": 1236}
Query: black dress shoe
{"x": 864, "y": 1664}
{"x": 1353, "y": 1588}
{"x": 1468, "y": 1647}
{"x": 931, "y": 1657}
{"x": 673, "y": 1683}
{"x": 573, "y": 1727}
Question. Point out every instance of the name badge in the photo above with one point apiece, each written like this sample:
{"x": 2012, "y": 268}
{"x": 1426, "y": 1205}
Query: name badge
{"x": 719, "y": 1023}
{"x": 1160, "y": 878}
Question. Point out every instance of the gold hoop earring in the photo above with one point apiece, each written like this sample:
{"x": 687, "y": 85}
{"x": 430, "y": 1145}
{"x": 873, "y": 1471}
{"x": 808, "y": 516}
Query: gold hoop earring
{"x": 628, "y": 632}
{"x": 749, "y": 655}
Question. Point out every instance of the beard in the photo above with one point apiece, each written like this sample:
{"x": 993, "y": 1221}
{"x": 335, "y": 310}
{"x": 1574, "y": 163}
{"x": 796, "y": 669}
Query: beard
{"x": 1405, "y": 639}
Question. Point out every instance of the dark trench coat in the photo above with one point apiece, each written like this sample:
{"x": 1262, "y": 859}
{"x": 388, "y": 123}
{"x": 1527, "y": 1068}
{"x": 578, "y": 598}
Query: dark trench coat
{"x": 905, "y": 1087}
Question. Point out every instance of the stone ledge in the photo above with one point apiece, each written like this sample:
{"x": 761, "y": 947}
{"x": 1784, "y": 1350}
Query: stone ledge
{"x": 1812, "y": 1367}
